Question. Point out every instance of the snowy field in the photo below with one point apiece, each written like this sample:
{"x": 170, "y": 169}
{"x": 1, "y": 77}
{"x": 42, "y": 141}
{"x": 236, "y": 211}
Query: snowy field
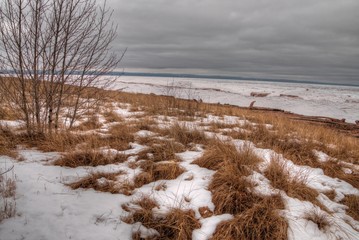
{"x": 314, "y": 100}
{"x": 46, "y": 208}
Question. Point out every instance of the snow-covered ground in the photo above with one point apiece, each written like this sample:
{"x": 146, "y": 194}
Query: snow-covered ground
{"x": 48, "y": 209}
{"x": 314, "y": 100}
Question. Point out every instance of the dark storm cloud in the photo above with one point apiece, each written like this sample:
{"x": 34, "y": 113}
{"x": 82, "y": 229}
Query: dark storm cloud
{"x": 278, "y": 38}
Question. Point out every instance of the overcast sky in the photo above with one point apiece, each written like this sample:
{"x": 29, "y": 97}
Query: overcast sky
{"x": 309, "y": 39}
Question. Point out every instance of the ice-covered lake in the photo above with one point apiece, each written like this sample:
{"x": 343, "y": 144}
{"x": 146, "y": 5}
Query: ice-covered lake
{"x": 315, "y": 100}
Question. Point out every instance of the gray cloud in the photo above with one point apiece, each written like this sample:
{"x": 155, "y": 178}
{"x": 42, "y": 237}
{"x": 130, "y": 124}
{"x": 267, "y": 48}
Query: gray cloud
{"x": 278, "y": 38}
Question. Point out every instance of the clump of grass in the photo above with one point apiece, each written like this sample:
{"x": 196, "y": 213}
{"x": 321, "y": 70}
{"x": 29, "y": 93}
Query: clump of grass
{"x": 335, "y": 169}
{"x": 321, "y": 219}
{"x": 91, "y": 122}
{"x": 294, "y": 185}
{"x": 7, "y": 142}
{"x": 111, "y": 116}
{"x": 352, "y": 201}
{"x": 99, "y": 181}
{"x": 261, "y": 221}
{"x": 160, "y": 150}
{"x": 146, "y": 123}
{"x": 7, "y": 196}
{"x": 221, "y": 153}
{"x": 121, "y": 136}
{"x": 59, "y": 142}
{"x": 331, "y": 194}
{"x": 231, "y": 192}
{"x": 87, "y": 157}
{"x": 185, "y": 135}
{"x": 8, "y": 113}
{"x": 299, "y": 151}
{"x": 157, "y": 171}
{"x": 175, "y": 224}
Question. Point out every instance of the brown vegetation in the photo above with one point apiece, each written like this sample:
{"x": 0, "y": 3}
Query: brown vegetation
{"x": 295, "y": 185}
{"x": 175, "y": 224}
{"x": 352, "y": 201}
{"x": 88, "y": 158}
{"x": 220, "y": 153}
{"x": 260, "y": 221}
{"x": 157, "y": 171}
{"x": 99, "y": 181}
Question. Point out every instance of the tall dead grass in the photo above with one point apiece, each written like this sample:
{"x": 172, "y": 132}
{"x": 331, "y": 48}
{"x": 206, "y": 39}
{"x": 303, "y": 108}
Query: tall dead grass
{"x": 7, "y": 195}
{"x": 160, "y": 150}
{"x": 8, "y": 142}
{"x": 175, "y": 224}
{"x": 295, "y": 185}
{"x": 220, "y": 153}
{"x": 157, "y": 171}
{"x": 352, "y": 201}
{"x": 185, "y": 134}
{"x": 88, "y": 158}
{"x": 261, "y": 221}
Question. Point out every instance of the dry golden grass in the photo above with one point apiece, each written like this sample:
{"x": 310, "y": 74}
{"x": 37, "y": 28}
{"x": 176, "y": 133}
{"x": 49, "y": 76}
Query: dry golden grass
{"x": 90, "y": 123}
{"x": 335, "y": 169}
{"x": 185, "y": 135}
{"x": 352, "y": 201}
{"x": 146, "y": 123}
{"x": 8, "y": 113}
{"x": 111, "y": 116}
{"x": 176, "y": 224}
{"x": 8, "y": 142}
{"x": 261, "y": 221}
{"x": 160, "y": 150}
{"x": 157, "y": 171}
{"x": 219, "y": 153}
{"x": 121, "y": 136}
{"x": 231, "y": 192}
{"x": 331, "y": 194}
{"x": 99, "y": 181}
{"x": 88, "y": 158}
{"x": 294, "y": 185}
{"x": 323, "y": 221}
{"x": 7, "y": 196}
{"x": 59, "y": 142}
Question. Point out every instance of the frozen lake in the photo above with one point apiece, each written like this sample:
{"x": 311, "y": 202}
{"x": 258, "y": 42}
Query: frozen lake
{"x": 315, "y": 100}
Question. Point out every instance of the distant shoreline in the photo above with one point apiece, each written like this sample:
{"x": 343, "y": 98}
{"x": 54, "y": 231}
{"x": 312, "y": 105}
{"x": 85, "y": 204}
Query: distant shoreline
{"x": 222, "y": 77}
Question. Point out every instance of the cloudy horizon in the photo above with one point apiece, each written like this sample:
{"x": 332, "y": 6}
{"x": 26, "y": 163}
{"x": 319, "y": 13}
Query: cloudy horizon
{"x": 310, "y": 40}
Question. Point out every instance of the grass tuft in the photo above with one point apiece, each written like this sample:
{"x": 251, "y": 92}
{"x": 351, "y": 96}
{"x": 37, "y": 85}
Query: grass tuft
{"x": 322, "y": 220}
{"x": 160, "y": 150}
{"x": 295, "y": 185}
{"x": 221, "y": 153}
{"x": 261, "y": 221}
{"x": 185, "y": 135}
{"x": 352, "y": 201}
{"x": 175, "y": 224}
{"x": 99, "y": 181}
{"x": 157, "y": 171}
{"x": 87, "y": 158}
